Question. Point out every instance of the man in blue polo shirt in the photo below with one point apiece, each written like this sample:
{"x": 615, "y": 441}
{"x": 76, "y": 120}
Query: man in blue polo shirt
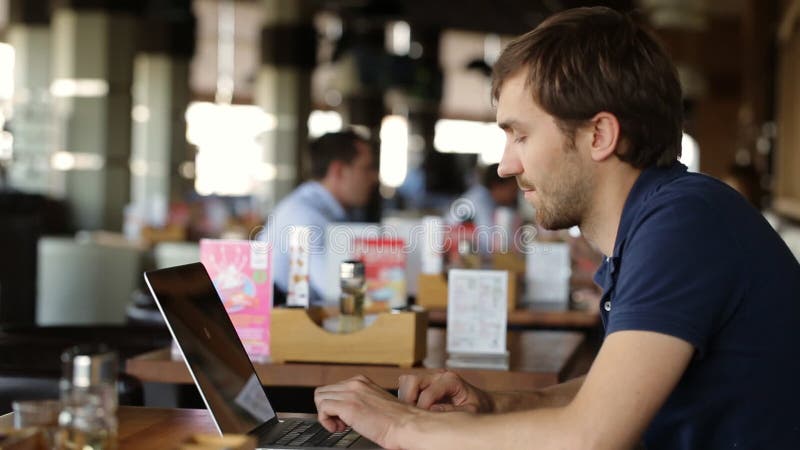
{"x": 700, "y": 301}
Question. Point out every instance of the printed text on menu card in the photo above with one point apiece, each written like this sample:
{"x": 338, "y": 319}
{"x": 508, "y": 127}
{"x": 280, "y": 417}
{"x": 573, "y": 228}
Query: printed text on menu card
{"x": 476, "y": 311}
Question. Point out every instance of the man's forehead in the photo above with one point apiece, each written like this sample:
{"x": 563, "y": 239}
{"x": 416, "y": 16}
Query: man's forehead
{"x": 513, "y": 94}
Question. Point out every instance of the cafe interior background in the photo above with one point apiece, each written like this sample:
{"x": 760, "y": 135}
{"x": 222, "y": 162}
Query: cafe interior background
{"x": 132, "y": 129}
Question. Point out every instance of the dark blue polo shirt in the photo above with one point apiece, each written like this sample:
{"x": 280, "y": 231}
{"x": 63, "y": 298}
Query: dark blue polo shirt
{"x": 693, "y": 260}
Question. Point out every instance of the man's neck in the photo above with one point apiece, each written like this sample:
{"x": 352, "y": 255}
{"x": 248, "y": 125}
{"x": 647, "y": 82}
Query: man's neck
{"x": 611, "y": 191}
{"x": 332, "y": 187}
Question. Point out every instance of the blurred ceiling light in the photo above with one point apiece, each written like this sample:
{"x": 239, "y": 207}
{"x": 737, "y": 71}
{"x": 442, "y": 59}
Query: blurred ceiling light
{"x": 6, "y": 146}
{"x": 321, "y": 122}
{"x": 465, "y": 136}
{"x": 79, "y": 87}
{"x": 140, "y": 113}
{"x": 65, "y": 161}
{"x": 7, "y": 57}
{"x": 333, "y": 97}
{"x": 492, "y": 46}
{"x": 690, "y": 153}
{"x": 229, "y": 158}
{"x": 186, "y": 169}
{"x": 394, "y": 151}
{"x": 267, "y": 172}
{"x": 208, "y": 123}
{"x": 398, "y": 38}
{"x": 138, "y": 167}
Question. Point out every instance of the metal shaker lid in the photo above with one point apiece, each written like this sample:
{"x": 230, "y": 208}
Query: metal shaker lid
{"x": 351, "y": 269}
{"x": 86, "y": 366}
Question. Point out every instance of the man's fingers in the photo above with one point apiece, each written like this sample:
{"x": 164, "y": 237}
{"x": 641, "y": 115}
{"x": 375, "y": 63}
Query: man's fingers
{"x": 409, "y": 386}
{"x": 328, "y": 400}
{"x": 328, "y": 415}
{"x": 446, "y": 386}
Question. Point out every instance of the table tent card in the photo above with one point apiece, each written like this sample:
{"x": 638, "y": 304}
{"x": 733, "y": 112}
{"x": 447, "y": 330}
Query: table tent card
{"x": 548, "y": 270}
{"x": 477, "y": 313}
{"x": 242, "y": 275}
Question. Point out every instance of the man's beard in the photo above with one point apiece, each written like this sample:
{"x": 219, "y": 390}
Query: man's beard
{"x": 563, "y": 204}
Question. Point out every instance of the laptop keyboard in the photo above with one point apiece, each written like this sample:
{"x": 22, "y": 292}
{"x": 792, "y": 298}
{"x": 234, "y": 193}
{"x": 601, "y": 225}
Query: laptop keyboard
{"x": 312, "y": 434}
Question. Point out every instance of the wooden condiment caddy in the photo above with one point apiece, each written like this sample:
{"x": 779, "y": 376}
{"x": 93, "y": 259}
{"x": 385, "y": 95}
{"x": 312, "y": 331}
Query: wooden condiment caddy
{"x": 394, "y": 338}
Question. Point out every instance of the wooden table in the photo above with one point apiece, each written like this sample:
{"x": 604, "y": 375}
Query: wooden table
{"x": 537, "y": 317}
{"x": 538, "y": 358}
{"x": 158, "y": 428}
{"x": 151, "y": 428}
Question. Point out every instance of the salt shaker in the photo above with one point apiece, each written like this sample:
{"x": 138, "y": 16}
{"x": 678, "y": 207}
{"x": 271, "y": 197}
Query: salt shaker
{"x": 88, "y": 418}
{"x": 351, "y": 303}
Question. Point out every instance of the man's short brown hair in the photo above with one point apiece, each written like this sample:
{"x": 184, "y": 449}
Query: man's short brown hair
{"x": 330, "y": 147}
{"x": 586, "y": 60}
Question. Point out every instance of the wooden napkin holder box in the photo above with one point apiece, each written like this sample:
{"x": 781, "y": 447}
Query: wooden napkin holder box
{"x": 394, "y": 338}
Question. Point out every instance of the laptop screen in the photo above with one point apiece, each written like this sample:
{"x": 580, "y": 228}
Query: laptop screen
{"x": 216, "y": 358}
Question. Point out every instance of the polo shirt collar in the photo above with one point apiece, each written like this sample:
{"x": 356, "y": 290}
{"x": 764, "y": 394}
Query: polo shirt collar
{"x": 649, "y": 180}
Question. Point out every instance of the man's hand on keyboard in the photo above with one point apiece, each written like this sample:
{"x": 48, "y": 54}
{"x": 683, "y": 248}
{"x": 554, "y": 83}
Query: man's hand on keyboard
{"x": 365, "y": 406}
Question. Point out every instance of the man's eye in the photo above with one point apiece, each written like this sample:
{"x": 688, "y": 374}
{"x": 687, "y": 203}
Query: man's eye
{"x": 520, "y": 139}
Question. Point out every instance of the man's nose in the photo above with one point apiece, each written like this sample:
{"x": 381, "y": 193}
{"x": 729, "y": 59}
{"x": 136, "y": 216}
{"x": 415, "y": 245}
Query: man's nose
{"x": 509, "y": 164}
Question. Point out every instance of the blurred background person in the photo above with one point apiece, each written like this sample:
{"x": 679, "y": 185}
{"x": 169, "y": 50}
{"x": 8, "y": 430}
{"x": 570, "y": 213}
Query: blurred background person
{"x": 343, "y": 176}
{"x": 480, "y": 204}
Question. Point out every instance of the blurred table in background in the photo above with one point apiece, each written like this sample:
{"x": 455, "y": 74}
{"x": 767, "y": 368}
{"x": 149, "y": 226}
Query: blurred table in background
{"x": 537, "y": 359}
{"x": 537, "y": 316}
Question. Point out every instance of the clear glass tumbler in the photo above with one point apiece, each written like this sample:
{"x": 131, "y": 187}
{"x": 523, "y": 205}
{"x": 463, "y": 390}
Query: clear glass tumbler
{"x": 41, "y": 414}
{"x": 88, "y": 418}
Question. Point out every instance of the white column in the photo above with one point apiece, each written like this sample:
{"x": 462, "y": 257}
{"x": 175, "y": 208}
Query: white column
{"x": 91, "y": 84}
{"x": 158, "y": 146}
{"x": 32, "y": 124}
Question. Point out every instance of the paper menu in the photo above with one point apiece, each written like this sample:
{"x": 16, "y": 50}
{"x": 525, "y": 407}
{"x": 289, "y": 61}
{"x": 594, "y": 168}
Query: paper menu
{"x": 242, "y": 275}
{"x": 477, "y": 311}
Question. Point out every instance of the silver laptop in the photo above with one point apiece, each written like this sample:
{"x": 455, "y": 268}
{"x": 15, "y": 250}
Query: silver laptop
{"x": 222, "y": 370}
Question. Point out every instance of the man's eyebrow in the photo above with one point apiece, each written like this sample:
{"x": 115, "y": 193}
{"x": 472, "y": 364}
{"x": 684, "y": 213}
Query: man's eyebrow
{"x": 506, "y": 124}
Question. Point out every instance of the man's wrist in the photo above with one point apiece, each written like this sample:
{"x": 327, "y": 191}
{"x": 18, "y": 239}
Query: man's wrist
{"x": 488, "y": 402}
{"x": 403, "y": 433}
{"x": 503, "y": 402}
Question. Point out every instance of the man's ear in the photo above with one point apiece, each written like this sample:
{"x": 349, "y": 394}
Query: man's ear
{"x": 605, "y": 137}
{"x": 335, "y": 169}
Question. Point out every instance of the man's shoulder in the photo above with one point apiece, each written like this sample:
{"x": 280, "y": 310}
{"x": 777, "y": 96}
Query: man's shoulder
{"x": 301, "y": 207}
{"x": 693, "y": 200}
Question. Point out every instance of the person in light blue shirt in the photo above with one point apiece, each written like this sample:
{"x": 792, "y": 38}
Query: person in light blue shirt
{"x": 479, "y": 203}
{"x": 343, "y": 176}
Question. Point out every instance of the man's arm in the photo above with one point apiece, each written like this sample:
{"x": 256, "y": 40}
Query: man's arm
{"x": 629, "y": 381}
{"x": 446, "y": 391}
{"x": 631, "y": 378}
{"x": 552, "y": 396}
